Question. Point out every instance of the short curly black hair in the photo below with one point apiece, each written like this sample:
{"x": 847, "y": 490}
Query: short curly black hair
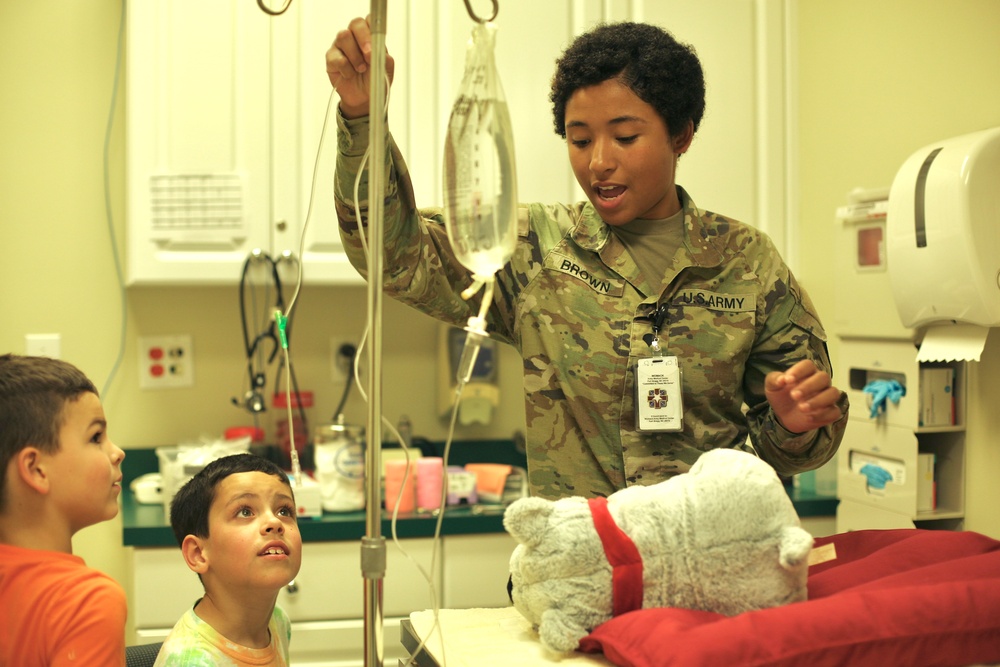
{"x": 661, "y": 71}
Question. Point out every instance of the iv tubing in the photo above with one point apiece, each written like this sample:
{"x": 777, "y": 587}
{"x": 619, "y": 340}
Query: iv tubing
{"x": 373, "y": 544}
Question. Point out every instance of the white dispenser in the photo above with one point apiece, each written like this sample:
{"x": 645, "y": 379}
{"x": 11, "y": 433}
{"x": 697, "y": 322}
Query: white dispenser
{"x": 943, "y": 229}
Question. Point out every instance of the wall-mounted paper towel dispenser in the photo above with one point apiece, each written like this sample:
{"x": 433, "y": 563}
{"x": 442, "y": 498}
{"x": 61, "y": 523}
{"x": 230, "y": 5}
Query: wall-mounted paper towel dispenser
{"x": 943, "y": 232}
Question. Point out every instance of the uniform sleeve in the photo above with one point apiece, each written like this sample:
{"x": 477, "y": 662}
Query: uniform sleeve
{"x": 94, "y": 634}
{"x": 791, "y": 332}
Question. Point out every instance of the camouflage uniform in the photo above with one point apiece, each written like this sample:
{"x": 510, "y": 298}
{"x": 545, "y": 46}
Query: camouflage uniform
{"x": 573, "y": 302}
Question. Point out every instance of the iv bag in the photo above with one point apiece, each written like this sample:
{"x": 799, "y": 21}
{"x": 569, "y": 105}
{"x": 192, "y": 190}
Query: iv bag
{"x": 480, "y": 190}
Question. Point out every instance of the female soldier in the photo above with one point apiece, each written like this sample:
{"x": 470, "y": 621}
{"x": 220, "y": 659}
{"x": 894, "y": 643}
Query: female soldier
{"x": 595, "y": 287}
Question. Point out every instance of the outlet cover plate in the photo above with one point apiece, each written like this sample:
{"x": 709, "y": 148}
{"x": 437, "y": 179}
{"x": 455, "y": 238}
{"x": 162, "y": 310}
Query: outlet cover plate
{"x": 166, "y": 362}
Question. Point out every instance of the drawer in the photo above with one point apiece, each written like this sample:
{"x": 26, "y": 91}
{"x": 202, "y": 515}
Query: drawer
{"x": 330, "y": 585}
{"x": 892, "y": 448}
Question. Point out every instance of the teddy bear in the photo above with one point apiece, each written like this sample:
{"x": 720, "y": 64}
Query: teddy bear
{"x": 722, "y": 537}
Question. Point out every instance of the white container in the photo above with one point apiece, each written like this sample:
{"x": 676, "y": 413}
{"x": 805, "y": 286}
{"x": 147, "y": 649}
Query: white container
{"x": 338, "y": 451}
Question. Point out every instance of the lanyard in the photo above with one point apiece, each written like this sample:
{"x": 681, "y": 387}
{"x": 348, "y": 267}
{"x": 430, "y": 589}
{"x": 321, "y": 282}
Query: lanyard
{"x": 658, "y": 318}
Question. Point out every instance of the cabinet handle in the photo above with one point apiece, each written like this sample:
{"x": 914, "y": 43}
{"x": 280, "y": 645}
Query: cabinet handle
{"x": 292, "y": 587}
{"x": 288, "y": 257}
{"x": 281, "y": 225}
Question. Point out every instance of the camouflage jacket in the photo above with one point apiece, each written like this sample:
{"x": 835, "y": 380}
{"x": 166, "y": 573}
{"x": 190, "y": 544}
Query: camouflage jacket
{"x": 575, "y": 305}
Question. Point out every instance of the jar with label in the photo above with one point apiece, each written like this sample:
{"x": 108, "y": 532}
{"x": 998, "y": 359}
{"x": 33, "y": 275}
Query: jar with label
{"x": 339, "y": 454}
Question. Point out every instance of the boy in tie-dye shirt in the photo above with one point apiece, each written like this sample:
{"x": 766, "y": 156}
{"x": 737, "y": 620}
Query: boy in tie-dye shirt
{"x": 236, "y": 524}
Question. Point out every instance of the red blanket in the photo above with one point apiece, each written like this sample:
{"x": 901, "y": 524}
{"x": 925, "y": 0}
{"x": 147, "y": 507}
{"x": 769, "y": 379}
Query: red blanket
{"x": 889, "y": 597}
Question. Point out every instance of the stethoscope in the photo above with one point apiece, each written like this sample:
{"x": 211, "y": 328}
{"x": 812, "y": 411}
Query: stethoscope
{"x": 260, "y": 337}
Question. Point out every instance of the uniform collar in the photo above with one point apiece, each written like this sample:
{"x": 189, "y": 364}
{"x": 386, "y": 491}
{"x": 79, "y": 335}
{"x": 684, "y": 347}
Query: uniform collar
{"x": 592, "y": 233}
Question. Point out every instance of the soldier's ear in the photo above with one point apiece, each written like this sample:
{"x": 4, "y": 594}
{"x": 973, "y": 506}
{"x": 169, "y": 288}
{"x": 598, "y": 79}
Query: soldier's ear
{"x": 682, "y": 142}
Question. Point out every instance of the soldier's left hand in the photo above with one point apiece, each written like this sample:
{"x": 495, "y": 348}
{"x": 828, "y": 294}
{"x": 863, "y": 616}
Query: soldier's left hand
{"x": 802, "y": 397}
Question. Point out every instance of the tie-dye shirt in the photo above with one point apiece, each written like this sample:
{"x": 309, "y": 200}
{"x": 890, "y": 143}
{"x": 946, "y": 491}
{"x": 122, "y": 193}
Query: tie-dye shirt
{"x": 195, "y": 643}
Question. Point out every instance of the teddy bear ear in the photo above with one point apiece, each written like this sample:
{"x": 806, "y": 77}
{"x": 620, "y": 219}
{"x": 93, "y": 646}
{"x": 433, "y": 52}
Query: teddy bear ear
{"x": 794, "y": 547}
{"x": 526, "y": 519}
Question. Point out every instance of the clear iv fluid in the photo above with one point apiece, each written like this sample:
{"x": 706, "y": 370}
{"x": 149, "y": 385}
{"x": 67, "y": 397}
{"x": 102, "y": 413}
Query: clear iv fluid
{"x": 480, "y": 189}
{"x": 481, "y": 202}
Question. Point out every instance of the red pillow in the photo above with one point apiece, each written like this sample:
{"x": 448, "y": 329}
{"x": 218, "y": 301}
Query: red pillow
{"x": 898, "y": 597}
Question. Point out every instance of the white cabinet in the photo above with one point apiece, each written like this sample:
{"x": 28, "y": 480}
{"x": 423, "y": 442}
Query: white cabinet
{"x": 225, "y": 109}
{"x": 223, "y": 116}
{"x": 895, "y": 441}
{"x": 476, "y": 571}
{"x": 327, "y": 607}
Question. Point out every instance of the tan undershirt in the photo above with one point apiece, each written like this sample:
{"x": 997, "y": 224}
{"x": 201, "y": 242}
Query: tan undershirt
{"x": 652, "y": 243}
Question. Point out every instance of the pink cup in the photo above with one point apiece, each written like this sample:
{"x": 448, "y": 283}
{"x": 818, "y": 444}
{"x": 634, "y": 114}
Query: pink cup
{"x": 430, "y": 478}
{"x": 395, "y": 491}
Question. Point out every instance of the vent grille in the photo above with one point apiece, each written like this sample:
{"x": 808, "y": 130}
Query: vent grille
{"x": 196, "y": 202}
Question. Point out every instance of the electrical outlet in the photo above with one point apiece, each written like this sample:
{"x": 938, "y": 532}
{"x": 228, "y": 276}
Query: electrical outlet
{"x": 165, "y": 361}
{"x": 43, "y": 345}
{"x": 342, "y": 353}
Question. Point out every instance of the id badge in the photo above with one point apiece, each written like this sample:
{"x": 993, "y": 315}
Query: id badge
{"x": 658, "y": 405}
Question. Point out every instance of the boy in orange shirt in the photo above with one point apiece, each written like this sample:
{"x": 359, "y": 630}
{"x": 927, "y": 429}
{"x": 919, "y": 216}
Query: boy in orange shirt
{"x": 59, "y": 472}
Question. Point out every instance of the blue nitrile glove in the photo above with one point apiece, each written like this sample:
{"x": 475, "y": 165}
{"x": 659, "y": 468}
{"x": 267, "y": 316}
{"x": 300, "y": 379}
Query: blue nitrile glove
{"x": 877, "y": 475}
{"x": 880, "y": 390}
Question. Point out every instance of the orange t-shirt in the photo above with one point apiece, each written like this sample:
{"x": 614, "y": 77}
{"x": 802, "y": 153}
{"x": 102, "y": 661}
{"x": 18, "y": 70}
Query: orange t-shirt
{"x": 57, "y": 611}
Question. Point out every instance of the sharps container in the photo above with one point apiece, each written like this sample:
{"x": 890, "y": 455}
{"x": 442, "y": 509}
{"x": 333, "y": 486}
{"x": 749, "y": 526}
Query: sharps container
{"x": 339, "y": 454}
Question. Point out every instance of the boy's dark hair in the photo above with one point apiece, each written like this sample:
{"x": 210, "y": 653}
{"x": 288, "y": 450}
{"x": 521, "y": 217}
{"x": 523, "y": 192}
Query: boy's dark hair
{"x": 33, "y": 394}
{"x": 661, "y": 71}
{"x": 190, "y": 507}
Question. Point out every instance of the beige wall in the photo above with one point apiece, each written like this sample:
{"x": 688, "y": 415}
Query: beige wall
{"x": 877, "y": 81}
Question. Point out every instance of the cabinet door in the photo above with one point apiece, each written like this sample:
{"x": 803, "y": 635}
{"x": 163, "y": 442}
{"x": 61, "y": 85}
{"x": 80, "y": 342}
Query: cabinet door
{"x": 226, "y": 107}
{"x": 303, "y": 145}
{"x": 197, "y": 125}
{"x": 476, "y": 569}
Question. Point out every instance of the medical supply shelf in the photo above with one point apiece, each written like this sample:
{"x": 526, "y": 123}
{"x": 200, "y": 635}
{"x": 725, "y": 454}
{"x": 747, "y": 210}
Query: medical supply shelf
{"x": 876, "y": 346}
{"x": 895, "y": 438}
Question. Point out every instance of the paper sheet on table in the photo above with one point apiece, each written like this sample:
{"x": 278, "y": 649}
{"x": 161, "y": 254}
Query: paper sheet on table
{"x": 490, "y": 637}
{"x": 953, "y": 342}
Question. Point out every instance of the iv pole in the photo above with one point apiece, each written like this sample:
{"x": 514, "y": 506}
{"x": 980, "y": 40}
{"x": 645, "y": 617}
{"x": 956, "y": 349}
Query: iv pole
{"x": 373, "y": 543}
{"x": 373, "y": 551}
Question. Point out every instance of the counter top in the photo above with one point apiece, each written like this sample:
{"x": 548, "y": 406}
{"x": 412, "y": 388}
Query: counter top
{"x": 145, "y": 525}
